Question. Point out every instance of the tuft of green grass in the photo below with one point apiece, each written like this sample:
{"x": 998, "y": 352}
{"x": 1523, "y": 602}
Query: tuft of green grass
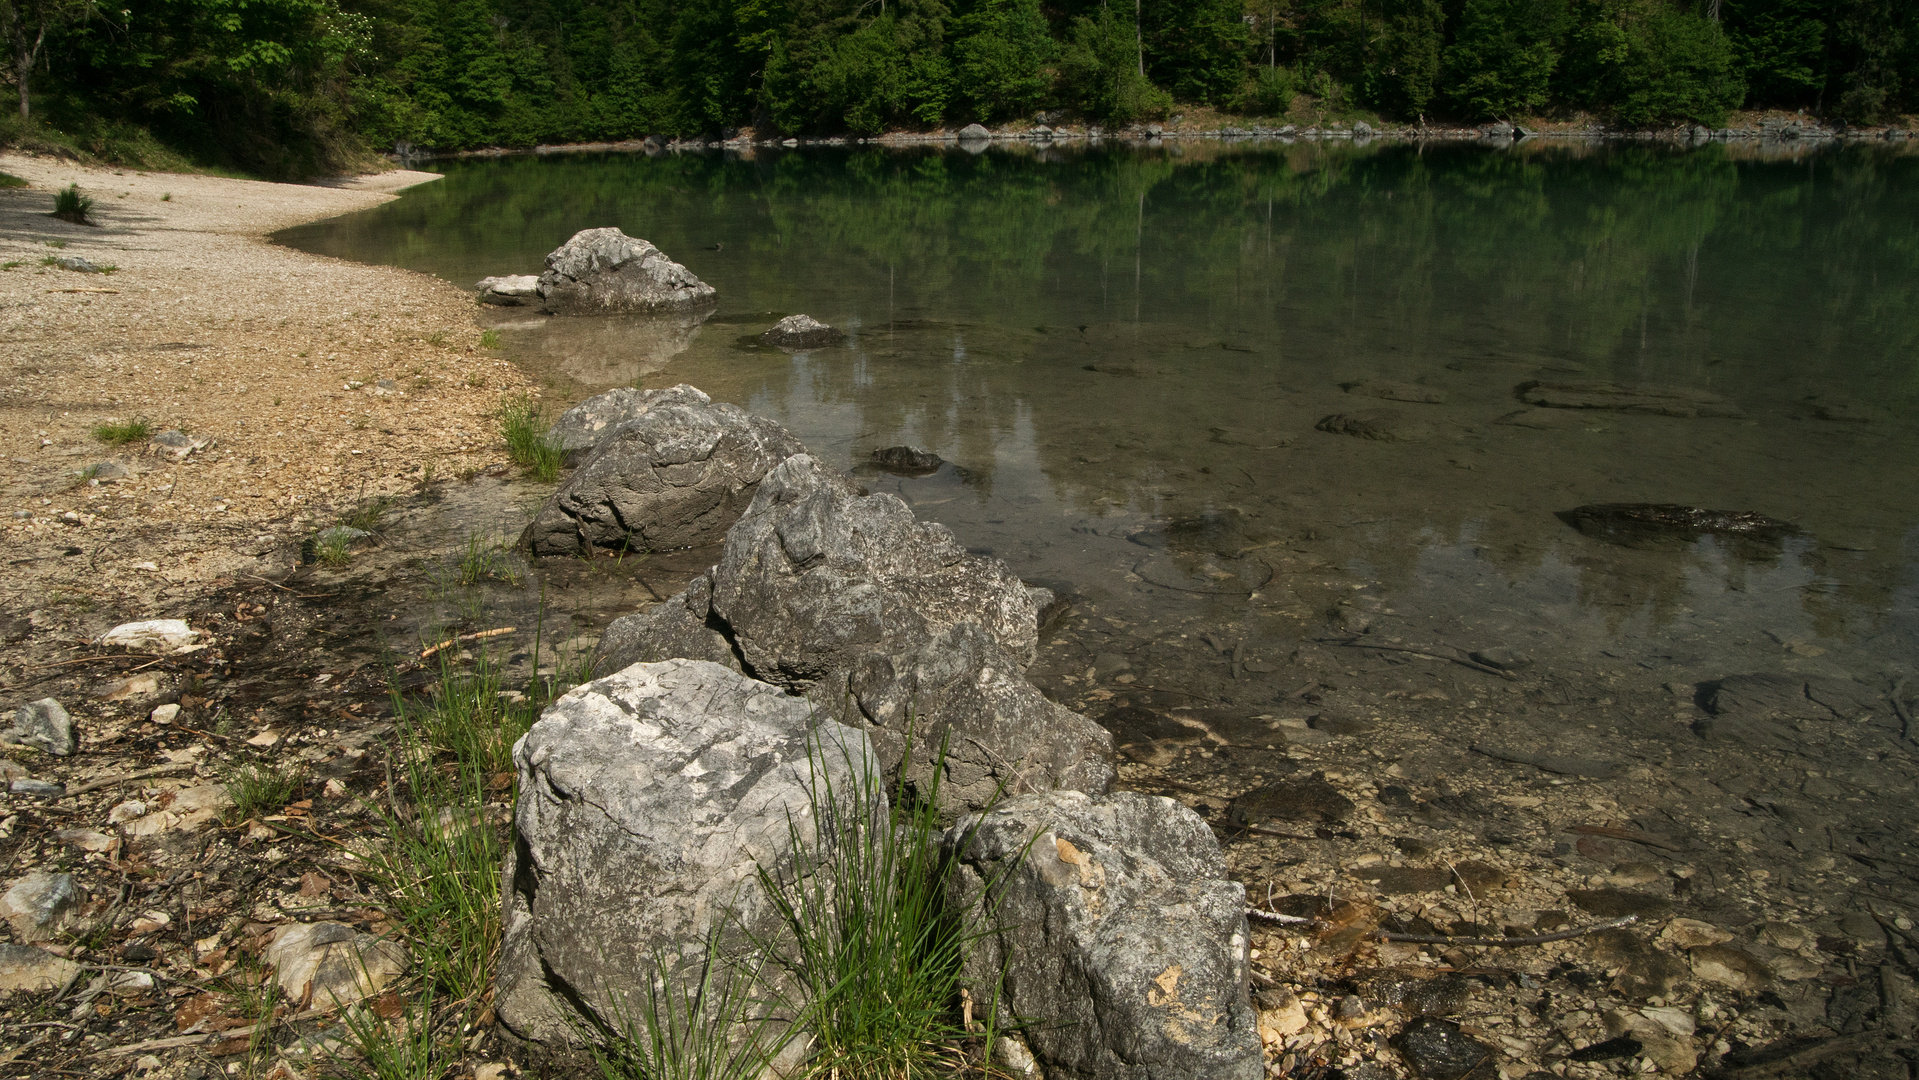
{"x": 403, "y": 1047}
{"x": 332, "y": 550}
{"x": 690, "y": 1025}
{"x": 166, "y": 197}
{"x": 523, "y": 423}
{"x": 489, "y": 339}
{"x": 258, "y": 788}
{"x": 8, "y": 180}
{"x": 368, "y": 515}
{"x": 69, "y": 204}
{"x": 867, "y": 937}
{"x": 121, "y": 432}
{"x": 56, "y": 243}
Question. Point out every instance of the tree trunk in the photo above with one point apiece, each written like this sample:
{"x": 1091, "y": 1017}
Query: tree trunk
{"x": 1139, "y": 38}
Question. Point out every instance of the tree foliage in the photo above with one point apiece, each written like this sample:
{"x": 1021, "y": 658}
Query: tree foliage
{"x": 289, "y": 87}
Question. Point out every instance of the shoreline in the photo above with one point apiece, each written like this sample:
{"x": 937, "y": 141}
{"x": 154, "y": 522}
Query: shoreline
{"x": 313, "y": 384}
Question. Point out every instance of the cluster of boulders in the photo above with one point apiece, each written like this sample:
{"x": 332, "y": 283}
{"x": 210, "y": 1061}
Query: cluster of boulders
{"x": 840, "y": 641}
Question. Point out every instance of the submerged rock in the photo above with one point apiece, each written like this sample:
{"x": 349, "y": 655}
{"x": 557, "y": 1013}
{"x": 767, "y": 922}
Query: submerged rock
{"x": 907, "y": 460}
{"x": 650, "y": 801}
{"x": 511, "y": 290}
{"x": 1123, "y": 944}
{"x": 1627, "y": 397}
{"x": 676, "y": 476}
{"x": 1377, "y": 425}
{"x": 603, "y": 271}
{"x": 1638, "y": 523}
{"x": 582, "y": 427}
{"x": 1388, "y": 390}
{"x": 802, "y": 332}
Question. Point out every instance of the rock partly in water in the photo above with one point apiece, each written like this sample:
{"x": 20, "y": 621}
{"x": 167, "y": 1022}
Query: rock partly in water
{"x": 605, "y": 271}
{"x": 817, "y": 576}
{"x": 907, "y": 460}
{"x": 40, "y": 905}
{"x": 1388, "y": 390}
{"x": 1627, "y": 397}
{"x": 1378, "y": 425}
{"x": 23, "y": 967}
{"x": 510, "y": 290}
{"x": 650, "y": 801}
{"x": 582, "y": 427}
{"x": 158, "y": 635}
{"x": 676, "y": 476}
{"x": 963, "y": 691}
{"x": 802, "y": 332}
{"x": 328, "y": 965}
{"x": 1637, "y": 524}
{"x": 973, "y": 132}
{"x": 1124, "y": 947}
{"x": 45, "y": 725}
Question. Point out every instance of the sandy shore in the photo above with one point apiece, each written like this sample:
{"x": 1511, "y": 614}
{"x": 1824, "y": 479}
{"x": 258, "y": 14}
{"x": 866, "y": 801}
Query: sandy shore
{"x": 206, "y": 327}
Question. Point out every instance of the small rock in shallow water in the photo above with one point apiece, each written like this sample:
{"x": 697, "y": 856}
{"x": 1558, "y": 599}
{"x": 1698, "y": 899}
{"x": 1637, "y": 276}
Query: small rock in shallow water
{"x": 46, "y": 725}
{"x": 1306, "y": 799}
{"x": 1377, "y": 425}
{"x": 1388, "y": 390}
{"x": 1692, "y": 934}
{"x": 802, "y": 332}
{"x": 909, "y": 460}
{"x": 510, "y": 290}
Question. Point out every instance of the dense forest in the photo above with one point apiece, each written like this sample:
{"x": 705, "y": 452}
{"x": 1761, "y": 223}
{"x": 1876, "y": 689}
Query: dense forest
{"x": 288, "y": 87}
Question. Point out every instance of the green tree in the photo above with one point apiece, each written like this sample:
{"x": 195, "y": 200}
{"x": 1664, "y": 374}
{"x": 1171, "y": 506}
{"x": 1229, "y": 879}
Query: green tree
{"x": 26, "y": 24}
{"x": 1678, "y": 66}
{"x": 1001, "y": 52}
{"x": 1197, "y": 49}
{"x": 1780, "y": 47}
{"x": 840, "y": 69}
{"x": 1502, "y": 58}
{"x": 1099, "y": 69}
{"x": 1402, "y": 65}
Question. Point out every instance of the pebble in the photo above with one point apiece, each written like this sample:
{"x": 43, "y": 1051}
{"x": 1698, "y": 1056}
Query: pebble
{"x": 23, "y": 967}
{"x": 164, "y": 714}
{"x": 27, "y": 785}
{"x": 165, "y": 635}
{"x": 1439, "y": 1050}
{"x": 1692, "y": 934}
{"x": 330, "y": 964}
{"x": 45, "y": 725}
{"x": 38, "y": 905}
{"x": 1730, "y": 966}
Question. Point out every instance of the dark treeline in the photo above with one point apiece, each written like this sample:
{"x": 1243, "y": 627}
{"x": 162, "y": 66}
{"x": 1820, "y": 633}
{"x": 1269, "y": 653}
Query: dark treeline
{"x": 293, "y": 86}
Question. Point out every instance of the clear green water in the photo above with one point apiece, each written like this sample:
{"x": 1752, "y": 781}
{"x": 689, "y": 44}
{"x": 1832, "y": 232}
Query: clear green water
{"x": 1125, "y": 353}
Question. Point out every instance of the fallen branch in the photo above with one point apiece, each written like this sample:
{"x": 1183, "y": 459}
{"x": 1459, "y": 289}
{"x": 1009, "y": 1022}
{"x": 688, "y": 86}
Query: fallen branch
{"x": 1505, "y": 942}
{"x": 1633, "y": 835}
{"x": 1429, "y": 655}
{"x": 479, "y": 636}
{"x": 1273, "y": 916}
{"x": 94, "y": 659}
{"x": 158, "y": 770}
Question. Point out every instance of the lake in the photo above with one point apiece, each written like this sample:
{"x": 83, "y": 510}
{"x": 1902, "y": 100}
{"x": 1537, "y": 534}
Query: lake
{"x": 1286, "y": 423}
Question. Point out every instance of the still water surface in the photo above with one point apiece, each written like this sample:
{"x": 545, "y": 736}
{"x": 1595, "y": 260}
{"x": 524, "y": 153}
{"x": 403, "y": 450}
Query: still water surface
{"x": 1124, "y": 354}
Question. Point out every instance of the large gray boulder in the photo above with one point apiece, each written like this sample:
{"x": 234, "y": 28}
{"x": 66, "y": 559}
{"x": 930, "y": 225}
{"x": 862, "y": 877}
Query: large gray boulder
{"x": 676, "y": 476}
{"x": 605, "y": 271}
{"x": 816, "y": 576}
{"x": 962, "y": 690}
{"x": 580, "y": 428}
{"x": 1124, "y": 947}
{"x": 649, "y": 802}
{"x": 886, "y": 624}
{"x": 681, "y": 627}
